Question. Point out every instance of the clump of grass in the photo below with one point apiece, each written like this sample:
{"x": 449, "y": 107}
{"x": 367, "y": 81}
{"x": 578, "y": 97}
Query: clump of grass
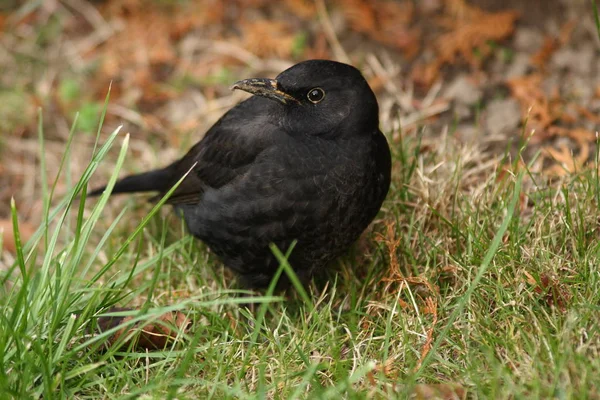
{"x": 59, "y": 286}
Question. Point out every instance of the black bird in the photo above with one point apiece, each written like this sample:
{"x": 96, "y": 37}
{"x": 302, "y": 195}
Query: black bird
{"x": 303, "y": 159}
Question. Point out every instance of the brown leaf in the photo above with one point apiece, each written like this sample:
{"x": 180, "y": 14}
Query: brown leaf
{"x": 460, "y": 9}
{"x": 553, "y": 292}
{"x": 26, "y": 230}
{"x": 136, "y": 56}
{"x": 303, "y": 8}
{"x": 474, "y": 34}
{"x": 469, "y": 28}
{"x": 320, "y": 48}
{"x": 392, "y": 243}
{"x": 439, "y": 391}
{"x": 420, "y": 284}
{"x": 386, "y": 22}
{"x": 155, "y": 335}
{"x": 430, "y": 308}
{"x": 548, "y": 116}
{"x": 541, "y": 57}
{"x": 570, "y": 159}
{"x": 566, "y": 31}
{"x": 584, "y": 112}
{"x": 386, "y": 368}
{"x": 425, "y": 74}
{"x": 267, "y": 38}
{"x": 568, "y": 162}
{"x": 539, "y": 111}
{"x": 551, "y": 44}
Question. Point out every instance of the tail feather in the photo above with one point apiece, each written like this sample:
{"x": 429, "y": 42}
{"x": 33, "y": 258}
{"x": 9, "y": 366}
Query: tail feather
{"x": 151, "y": 181}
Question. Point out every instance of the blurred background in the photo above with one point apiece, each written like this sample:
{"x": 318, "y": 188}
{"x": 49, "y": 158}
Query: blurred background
{"x": 472, "y": 69}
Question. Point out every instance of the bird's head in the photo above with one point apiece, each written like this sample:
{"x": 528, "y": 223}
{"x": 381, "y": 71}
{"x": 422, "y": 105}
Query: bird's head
{"x": 319, "y": 97}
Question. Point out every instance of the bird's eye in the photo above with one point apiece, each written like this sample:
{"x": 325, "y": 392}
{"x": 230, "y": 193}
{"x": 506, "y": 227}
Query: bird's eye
{"x": 315, "y": 95}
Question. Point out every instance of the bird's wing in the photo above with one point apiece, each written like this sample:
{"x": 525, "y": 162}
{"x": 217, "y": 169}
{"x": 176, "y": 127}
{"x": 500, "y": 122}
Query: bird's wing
{"x": 224, "y": 154}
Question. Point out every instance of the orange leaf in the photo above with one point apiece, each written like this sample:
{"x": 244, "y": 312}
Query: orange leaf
{"x": 387, "y": 22}
{"x": 151, "y": 336}
{"x": 439, "y": 391}
{"x": 541, "y": 57}
{"x": 268, "y": 38}
{"x": 303, "y": 8}
{"x": 26, "y": 230}
{"x": 553, "y": 292}
{"x": 468, "y": 28}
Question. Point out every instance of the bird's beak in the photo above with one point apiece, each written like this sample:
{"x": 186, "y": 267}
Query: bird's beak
{"x": 264, "y": 87}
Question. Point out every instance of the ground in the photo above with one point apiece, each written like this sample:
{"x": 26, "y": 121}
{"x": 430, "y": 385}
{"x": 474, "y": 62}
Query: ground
{"x": 479, "y": 277}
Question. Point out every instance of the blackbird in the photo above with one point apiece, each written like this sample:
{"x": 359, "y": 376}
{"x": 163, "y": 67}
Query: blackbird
{"x": 303, "y": 159}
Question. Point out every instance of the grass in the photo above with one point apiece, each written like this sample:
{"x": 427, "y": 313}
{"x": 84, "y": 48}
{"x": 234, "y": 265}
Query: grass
{"x": 478, "y": 275}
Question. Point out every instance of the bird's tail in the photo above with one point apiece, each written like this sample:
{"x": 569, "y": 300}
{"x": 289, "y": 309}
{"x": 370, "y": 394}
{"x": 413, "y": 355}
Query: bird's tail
{"x": 151, "y": 181}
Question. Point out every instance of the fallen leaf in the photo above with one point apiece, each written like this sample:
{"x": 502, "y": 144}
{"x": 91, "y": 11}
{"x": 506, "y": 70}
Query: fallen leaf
{"x": 268, "y": 38}
{"x": 155, "y": 335}
{"x": 387, "y": 22}
{"x": 549, "y": 117}
{"x": 386, "y": 368}
{"x": 439, "y": 391}
{"x": 541, "y": 57}
{"x": 303, "y": 8}
{"x": 551, "y": 44}
{"x": 469, "y": 28}
{"x": 570, "y": 159}
{"x": 553, "y": 292}
{"x": 430, "y": 308}
{"x": 26, "y": 230}
{"x": 539, "y": 111}
{"x": 584, "y": 112}
{"x": 566, "y": 31}
{"x": 140, "y": 55}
